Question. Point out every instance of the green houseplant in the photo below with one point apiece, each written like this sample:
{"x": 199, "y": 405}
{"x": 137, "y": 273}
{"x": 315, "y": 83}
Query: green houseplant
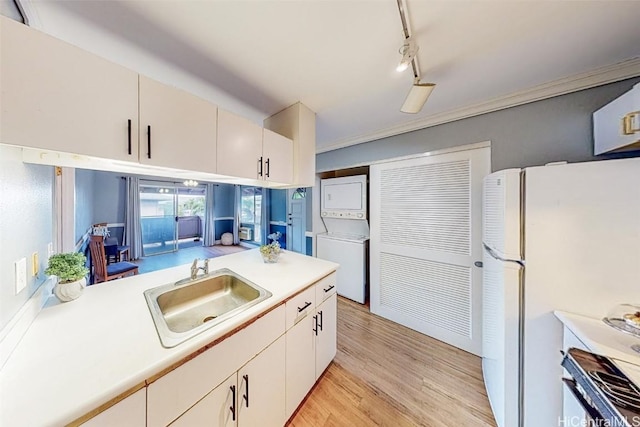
{"x": 71, "y": 272}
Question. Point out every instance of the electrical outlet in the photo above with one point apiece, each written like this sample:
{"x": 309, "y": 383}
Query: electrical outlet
{"x": 21, "y": 274}
{"x": 35, "y": 265}
{"x": 49, "y": 251}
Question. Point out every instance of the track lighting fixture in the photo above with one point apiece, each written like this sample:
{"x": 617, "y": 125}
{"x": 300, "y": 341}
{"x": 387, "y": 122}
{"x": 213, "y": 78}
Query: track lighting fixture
{"x": 190, "y": 183}
{"x": 419, "y": 92}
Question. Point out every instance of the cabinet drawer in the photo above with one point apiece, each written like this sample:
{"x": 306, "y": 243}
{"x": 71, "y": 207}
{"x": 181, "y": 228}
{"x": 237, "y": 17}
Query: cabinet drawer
{"x": 325, "y": 288}
{"x": 174, "y": 393}
{"x": 300, "y": 305}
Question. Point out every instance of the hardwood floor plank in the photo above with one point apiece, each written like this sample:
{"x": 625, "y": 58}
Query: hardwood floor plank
{"x": 388, "y": 375}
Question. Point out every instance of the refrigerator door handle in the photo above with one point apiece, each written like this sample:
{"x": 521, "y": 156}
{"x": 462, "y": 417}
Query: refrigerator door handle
{"x": 478, "y": 264}
{"x": 497, "y": 256}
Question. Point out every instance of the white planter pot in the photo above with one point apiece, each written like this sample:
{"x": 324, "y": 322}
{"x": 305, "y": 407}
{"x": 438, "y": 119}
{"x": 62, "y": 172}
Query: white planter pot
{"x": 69, "y": 291}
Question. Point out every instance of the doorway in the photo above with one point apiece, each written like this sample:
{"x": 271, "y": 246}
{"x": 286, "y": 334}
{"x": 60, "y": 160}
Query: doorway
{"x": 171, "y": 217}
{"x": 297, "y": 220}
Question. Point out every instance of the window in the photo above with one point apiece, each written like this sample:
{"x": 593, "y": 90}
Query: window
{"x": 251, "y": 212}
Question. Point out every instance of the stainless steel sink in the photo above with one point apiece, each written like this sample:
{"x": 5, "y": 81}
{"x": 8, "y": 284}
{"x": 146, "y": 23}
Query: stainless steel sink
{"x": 184, "y": 309}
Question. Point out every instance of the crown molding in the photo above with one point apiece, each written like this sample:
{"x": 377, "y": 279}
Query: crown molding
{"x": 29, "y": 12}
{"x": 600, "y": 76}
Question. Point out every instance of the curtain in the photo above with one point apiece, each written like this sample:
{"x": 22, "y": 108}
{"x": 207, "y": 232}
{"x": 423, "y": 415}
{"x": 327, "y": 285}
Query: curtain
{"x": 237, "y": 208}
{"x": 209, "y": 218}
{"x": 265, "y": 218}
{"x": 132, "y": 228}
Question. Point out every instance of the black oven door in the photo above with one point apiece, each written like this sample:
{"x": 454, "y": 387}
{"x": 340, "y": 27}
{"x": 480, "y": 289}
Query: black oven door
{"x": 593, "y": 415}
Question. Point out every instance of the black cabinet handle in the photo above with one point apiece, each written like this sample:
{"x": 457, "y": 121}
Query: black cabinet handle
{"x": 149, "y": 141}
{"x": 232, "y": 408}
{"x": 267, "y": 174}
{"x": 301, "y": 309}
{"x": 260, "y": 166}
{"x": 329, "y": 288}
{"x": 246, "y": 396}
{"x": 320, "y": 320}
{"x": 129, "y": 136}
{"x": 315, "y": 326}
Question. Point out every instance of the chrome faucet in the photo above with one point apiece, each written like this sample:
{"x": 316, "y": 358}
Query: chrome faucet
{"x": 195, "y": 268}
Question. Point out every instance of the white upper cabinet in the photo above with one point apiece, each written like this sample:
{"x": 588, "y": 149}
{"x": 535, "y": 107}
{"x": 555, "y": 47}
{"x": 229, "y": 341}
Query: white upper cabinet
{"x": 239, "y": 146}
{"x": 277, "y": 156}
{"x": 59, "y": 97}
{"x": 298, "y": 123}
{"x": 616, "y": 126}
{"x": 177, "y": 129}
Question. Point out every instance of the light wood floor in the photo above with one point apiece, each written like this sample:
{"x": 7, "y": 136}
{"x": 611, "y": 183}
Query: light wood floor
{"x": 386, "y": 374}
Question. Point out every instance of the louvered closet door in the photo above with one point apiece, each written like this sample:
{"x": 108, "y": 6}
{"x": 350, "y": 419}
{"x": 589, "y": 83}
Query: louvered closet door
{"x": 426, "y": 231}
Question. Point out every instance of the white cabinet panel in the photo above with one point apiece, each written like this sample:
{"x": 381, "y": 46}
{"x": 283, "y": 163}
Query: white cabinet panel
{"x": 239, "y": 146}
{"x": 217, "y": 408}
{"x": 261, "y": 388}
{"x": 59, "y": 97}
{"x": 129, "y": 412}
{"x": 326, "y": 330}
{"x": 182, "y": 128}
{"x": 300, "y": 362}
{"x": 300, "y": 305}
{"x": 277, "y": 155}
{"x": 616, "y": 126}
{"x": 325, "y": 288}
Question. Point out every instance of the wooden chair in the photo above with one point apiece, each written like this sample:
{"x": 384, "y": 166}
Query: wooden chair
{"x": 103, "y": 272}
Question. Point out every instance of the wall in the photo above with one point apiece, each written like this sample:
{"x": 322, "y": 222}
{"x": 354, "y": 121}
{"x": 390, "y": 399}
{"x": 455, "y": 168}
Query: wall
{"x": 223, "y": 201}
{"x": 26, "y": 225}
{"x": 550, "y": 130}
{"x": 110, "y": 192}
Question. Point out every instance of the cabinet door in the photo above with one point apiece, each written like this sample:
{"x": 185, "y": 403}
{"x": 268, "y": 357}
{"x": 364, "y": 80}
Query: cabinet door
{"x": 616, "y": 126}
{"x": 58, "y": 97}
{"x": 326, "y": 333}
{"x": 301, "y": 364}
{"x": 261, "y": 392}
{"x": 183, "y": 128}
{"x": 218, "y": 408}
{"x": 239, "y": 146}
{"x": 277, "y": 152}
{"x": 129, "y": 412}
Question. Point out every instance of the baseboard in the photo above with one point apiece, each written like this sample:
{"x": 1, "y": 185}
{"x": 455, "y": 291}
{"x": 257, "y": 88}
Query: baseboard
{"x": 11, "y": 334}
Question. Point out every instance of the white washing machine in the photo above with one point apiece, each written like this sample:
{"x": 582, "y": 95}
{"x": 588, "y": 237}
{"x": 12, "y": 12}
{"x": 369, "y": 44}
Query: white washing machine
{"x": 352, "y": 253}
{"x": 343, "y": 209}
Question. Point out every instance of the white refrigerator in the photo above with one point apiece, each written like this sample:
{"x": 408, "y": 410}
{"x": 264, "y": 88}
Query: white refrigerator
{"x": 558, "y": 237}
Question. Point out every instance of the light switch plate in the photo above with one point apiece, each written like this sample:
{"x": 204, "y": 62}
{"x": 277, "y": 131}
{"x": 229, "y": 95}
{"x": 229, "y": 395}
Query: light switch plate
{"x": 21, "y": 274}
{"x": 35, "y": 264}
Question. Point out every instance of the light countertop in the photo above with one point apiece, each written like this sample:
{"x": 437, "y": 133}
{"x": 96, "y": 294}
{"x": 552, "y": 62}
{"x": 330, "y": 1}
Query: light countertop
{"x": 602, "y": 339}
{"x": 78, "y": 355}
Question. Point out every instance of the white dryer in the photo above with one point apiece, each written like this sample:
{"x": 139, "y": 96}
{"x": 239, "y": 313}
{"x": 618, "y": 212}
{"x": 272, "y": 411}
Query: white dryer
{"x": 343, "y": 210}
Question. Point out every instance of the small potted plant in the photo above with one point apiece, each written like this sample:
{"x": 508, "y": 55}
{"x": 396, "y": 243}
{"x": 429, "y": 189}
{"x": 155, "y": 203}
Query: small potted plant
{"x": 271, "y": 252}
{"x": 71, "y": 272}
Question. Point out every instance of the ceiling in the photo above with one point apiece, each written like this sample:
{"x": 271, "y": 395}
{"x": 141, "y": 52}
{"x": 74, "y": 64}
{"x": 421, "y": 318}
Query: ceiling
{"x": 339, "y": 57}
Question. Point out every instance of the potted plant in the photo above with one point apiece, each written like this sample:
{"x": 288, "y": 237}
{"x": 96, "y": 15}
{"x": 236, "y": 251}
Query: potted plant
{"x": 71, "y": 272}
{"x": 271, "y": 252}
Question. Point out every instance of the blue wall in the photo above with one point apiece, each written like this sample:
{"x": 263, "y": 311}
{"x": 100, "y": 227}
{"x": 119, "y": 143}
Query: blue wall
{"x": 278, "y": 205}
{"x": 223, "y": 200}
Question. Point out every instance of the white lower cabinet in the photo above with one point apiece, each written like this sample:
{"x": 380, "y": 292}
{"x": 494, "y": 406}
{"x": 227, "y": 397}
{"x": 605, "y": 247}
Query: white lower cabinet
{"x": 217, "y": 408}
{"x": 326, "y": 333}
{"x": 301, "y": 373}
{"x": 129, "y": 412}
{"x": 261, "y": 388}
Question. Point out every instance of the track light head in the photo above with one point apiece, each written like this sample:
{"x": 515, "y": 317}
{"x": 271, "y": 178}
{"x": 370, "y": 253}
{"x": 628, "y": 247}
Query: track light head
{"x": 408, "y": 51}
{"x": 417, "y": 97}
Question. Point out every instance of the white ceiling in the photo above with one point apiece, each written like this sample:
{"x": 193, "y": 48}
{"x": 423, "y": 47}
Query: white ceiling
{"x": 339, "y": 57}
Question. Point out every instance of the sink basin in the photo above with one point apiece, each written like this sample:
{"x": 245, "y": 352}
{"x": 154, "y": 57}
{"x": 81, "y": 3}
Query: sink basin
{"x": 184, "y": 309}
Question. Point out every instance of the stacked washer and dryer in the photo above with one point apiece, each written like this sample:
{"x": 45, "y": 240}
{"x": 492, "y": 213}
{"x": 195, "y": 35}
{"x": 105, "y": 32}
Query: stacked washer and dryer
{"x": 343, "y": 209}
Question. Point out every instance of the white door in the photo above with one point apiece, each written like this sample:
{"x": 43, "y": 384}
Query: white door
{"x": 297, "y": 224}
{"x": 326, "y": 327}
{"x": 218, "y": 408}
{"x": 261, "y": 388}
{"x": 426, "y": 234}
{"x": 177, "y": 129}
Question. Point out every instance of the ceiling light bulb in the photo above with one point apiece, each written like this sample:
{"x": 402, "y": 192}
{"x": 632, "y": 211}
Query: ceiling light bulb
{"x": 403, "y": 65}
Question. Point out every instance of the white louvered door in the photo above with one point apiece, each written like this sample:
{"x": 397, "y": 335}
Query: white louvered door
{"x": 426, "y": 234}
